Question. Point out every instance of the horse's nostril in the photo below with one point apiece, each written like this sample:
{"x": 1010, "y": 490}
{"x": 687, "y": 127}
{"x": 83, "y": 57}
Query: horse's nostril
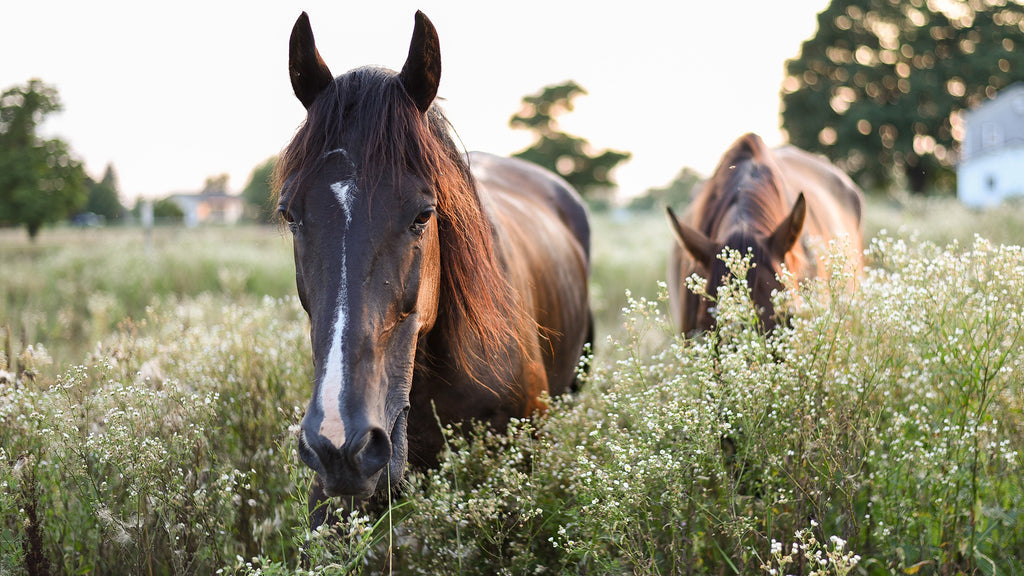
{"x": 371, "y": 452}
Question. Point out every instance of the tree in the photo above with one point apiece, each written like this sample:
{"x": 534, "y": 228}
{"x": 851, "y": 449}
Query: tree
{"x": 880, "y": 86}
{"x": 570, "y": 156}
{"x": 217, "y": 185}
{"x": 166, "y": 210}
{"x": 257, "y": 192}
{"x": 40, "y": 182}
{"x": 677, "y": 194}
{"x": 104, "y": 197}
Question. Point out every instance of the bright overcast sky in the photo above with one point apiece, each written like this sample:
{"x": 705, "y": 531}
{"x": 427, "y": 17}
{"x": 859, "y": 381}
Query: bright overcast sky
{"x": 174, "y": 92}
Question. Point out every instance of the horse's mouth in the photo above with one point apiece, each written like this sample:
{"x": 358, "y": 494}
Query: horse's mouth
{"x": 342, "y": 484}
{"x": 334, "y": 491}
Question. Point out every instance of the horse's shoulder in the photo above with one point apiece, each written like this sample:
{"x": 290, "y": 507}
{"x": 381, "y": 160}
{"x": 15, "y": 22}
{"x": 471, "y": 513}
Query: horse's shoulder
{"x": 519, "y": 179}
{"x": 834, "y": 183}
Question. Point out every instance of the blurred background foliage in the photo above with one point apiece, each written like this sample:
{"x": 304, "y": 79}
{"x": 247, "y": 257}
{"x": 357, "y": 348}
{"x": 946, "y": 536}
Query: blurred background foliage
{"x": 40, "y": 180}
{"x": 880, "y": 87}
{"x": 589, "y": 171}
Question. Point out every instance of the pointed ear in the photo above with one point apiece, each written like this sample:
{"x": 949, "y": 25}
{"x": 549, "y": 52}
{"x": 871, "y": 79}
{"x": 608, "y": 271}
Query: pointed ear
{"x": 308, "y": 72}
{"x": 421, "y": 73}
{"x": 786, "y": 234}
{"x": 697, "y": 244}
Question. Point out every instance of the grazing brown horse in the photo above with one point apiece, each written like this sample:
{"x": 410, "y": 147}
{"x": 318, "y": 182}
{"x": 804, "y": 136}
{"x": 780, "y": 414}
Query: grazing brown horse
{"x": 776, "y": 204}
{"x": 440, "y": 288}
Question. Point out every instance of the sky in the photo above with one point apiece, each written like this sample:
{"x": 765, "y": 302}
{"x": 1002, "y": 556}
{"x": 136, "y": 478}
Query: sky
{"x": 172, "y": 93}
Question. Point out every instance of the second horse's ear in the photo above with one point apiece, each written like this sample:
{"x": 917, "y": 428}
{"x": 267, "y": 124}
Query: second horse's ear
{"x": 306, "y": 68}
{"x": 421, "y": 74}
{"x": 787, "y": 232}
{"x": 697, "y": 244}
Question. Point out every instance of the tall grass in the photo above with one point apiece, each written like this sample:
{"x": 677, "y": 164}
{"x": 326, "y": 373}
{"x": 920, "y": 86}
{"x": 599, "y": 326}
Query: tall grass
{"x": 167, "y": 450}
{"x": 879, "y": 432}
{"x": 71, "y": 287}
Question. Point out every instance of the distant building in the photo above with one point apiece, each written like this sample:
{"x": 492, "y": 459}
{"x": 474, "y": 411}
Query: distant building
{"x": 209, "y": 207}
{"x": 991, "y": 166}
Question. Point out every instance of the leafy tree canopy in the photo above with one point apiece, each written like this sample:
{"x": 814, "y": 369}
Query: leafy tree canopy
{"x": 104, "y": 196}
{"x": 880, "y": 86}
{"x": 572, "y": 157}
{"x": 216, "y": 185}
{"x": 40, "y": 182}
{"x": 678, "y": 193}
{"x": 166, "y": 210}
{"x": 257, "y": 192}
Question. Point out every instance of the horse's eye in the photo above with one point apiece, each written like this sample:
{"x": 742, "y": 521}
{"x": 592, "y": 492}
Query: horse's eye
{"x": 419, "y": 225}
{"x": 284, "y": 212}
{"x": 287, "y": 216}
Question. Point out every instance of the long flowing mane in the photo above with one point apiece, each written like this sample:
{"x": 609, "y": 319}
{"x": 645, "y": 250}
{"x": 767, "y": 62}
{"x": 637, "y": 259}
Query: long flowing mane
{"x": 747, "y": 181}
{"x": 478, "y": 312}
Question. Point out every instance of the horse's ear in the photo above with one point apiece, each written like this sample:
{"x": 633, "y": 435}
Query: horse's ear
{"x": 308, "y": 72}
{"x": 789, "y": 229}
{"x": 699, "y": 245}
{"x": 421, "y": 73}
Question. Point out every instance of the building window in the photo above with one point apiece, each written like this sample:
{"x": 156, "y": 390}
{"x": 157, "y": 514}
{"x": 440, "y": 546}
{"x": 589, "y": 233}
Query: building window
{"x": 991, "y": 135}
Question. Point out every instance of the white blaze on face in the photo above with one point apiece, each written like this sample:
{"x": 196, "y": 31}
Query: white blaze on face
{"x": 332, "y": 427}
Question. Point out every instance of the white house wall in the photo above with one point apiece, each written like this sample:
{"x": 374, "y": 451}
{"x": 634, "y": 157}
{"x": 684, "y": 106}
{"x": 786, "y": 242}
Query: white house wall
{"x": 987, "y": 180}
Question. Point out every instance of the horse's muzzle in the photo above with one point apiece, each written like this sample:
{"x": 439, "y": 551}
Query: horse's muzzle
{"x": 355, "y": 468}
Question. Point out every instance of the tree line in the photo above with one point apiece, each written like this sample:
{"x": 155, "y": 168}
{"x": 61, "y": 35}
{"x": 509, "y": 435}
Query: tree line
{"x": 878, "y": 89}
{"x": 41, "y": 182}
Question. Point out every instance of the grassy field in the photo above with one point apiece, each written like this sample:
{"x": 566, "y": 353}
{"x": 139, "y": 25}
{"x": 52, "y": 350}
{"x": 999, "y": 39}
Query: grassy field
{"x": 150, "y": 390}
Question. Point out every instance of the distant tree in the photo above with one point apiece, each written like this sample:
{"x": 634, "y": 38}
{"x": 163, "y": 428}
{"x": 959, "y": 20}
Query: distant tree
{"x": 677, "y": 194}
{"x": 572, "y": 157}
{"x": 257, "y": 191}
{"x": 216, "y": 184}
{"x": 40, "y": 182}
{"x": 879, "y": 87}
{"x": 167, "y": 211}
{"x": 104, "y": 197}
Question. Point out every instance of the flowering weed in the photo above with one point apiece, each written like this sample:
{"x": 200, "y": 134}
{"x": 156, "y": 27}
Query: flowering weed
{"x": 876, "y": 431}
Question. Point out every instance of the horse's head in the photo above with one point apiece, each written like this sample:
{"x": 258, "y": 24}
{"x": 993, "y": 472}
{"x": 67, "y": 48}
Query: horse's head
{"x": 767, "y": 252}
{"x": 358, "y": 189}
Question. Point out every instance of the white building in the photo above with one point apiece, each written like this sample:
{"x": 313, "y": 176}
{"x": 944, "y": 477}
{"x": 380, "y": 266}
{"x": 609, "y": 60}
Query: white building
{"x": 210, "y": 207}
{"x": 992, "y": 153}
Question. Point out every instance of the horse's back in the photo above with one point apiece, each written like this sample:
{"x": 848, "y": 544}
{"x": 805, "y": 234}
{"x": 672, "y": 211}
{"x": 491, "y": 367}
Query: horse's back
{"x": 542, "y": 233}
{"x": 834, "y": 201}
{"x": 511, "y": 176}
{"x": 805, "y": 170}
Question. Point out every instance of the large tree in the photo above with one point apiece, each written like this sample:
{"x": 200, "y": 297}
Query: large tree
{"x": 880, "y": 86}
{"x": 572, "y": 157}
{"x": 40, "y": 182}
{"x": 105, "y": 198}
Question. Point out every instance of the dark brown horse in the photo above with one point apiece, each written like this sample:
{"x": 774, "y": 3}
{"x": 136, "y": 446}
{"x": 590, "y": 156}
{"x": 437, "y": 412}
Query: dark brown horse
{"x": 440, "y": 288}
{"x": 776, "y": 205}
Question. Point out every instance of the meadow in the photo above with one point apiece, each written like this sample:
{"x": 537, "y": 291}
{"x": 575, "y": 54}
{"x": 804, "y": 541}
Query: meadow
{"x": 150, "y": 390}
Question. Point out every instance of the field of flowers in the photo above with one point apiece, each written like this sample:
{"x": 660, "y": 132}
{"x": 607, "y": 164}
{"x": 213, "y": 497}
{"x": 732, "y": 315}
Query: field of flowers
{"x": 149, "y": 392}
